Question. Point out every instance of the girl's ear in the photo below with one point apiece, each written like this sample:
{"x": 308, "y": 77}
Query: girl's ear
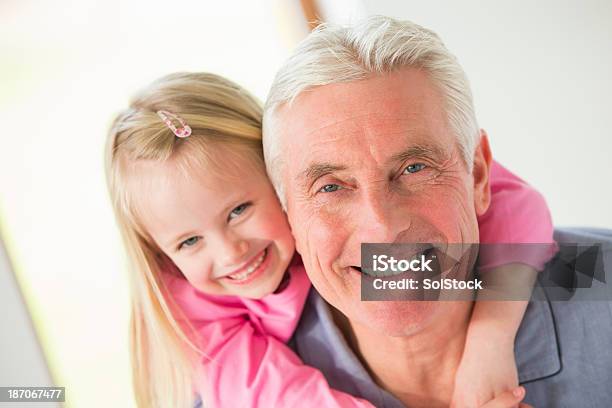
{"x": 481, "y": 173}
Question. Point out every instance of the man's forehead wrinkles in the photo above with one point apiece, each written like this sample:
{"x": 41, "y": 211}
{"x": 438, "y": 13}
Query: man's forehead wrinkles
{"x": 336, "y": 121}
{"x": 327, "y": 143}
{"x": 369, "y": 112}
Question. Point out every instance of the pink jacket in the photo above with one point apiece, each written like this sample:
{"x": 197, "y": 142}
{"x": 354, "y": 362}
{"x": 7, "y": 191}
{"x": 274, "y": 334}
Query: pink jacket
{"x": 248, "y": 363}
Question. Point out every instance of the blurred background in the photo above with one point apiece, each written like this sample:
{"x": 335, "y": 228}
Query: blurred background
{"x": 540, "y": 73}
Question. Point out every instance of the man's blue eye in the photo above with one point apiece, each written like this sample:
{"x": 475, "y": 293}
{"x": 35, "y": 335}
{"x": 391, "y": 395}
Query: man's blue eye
{"x": 414, "y": 168}
{"x": 329, "y": 188}
{"x": 189, "y": 242}
{"x": 238, "y": 210}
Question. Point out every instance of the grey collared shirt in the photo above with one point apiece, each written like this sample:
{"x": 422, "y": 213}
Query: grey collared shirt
{"x": 563, "y": 349}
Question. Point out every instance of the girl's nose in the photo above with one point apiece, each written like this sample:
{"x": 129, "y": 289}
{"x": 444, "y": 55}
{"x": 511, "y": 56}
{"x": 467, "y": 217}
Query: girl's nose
{"x": 232, "y": 250}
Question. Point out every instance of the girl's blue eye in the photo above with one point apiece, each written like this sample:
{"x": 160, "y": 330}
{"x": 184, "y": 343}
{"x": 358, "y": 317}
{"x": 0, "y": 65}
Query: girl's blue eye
{"x": 238, "y": 210}
{"x": 329, "y": 188}
{"x": 414, "y": 168}
{"x": 189, "y": 242}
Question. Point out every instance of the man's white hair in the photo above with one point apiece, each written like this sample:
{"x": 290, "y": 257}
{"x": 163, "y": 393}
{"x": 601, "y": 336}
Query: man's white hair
{"x": 376, "y": 45}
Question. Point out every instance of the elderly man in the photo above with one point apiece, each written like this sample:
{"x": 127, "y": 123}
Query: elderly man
{"x": 370, "y": 136}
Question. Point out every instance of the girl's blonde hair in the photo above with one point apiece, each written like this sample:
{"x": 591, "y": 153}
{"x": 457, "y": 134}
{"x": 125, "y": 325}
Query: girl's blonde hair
{"x": 163, "y": 343}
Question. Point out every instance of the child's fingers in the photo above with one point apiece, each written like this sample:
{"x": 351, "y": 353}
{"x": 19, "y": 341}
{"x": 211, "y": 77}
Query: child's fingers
{"x": 508, "y": 399}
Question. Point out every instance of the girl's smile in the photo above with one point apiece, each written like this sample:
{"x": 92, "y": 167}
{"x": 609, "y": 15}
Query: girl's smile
{"x": 251, "y": 270}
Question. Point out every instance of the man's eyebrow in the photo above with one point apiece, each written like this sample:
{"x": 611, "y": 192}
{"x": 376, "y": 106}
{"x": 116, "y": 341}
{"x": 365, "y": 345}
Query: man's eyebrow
{"x": 314, "y": 171}
{"x": 412, "y": 152}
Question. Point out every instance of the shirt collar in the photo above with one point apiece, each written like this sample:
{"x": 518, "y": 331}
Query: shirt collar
{"x": 321, "y": 344}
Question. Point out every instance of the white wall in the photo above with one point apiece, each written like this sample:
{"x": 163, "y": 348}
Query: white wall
{"x": 541, "y": 73}
{"x": 23, "y": 362}
{"x": 66, "y": 68}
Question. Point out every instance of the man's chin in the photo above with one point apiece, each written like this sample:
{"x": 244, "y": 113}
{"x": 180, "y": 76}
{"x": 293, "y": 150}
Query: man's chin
{"x": 392, "y": 318}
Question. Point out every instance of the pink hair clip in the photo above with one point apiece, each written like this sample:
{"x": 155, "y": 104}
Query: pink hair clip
{"x": 183, "y": 131}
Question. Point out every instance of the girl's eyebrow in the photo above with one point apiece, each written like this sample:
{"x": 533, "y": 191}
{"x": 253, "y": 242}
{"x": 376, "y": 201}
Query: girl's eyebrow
{"x": 180, "y": 238}
{"x": 243, "y": 197}
{"x": 232, "y": 202}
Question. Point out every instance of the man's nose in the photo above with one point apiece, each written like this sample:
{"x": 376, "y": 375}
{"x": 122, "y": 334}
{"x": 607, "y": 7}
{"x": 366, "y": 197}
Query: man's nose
{"x": 231, "y": 249}
{"x": 379, "y": 219}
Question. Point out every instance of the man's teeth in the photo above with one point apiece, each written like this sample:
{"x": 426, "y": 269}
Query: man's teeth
{"x": 250, "y": 269}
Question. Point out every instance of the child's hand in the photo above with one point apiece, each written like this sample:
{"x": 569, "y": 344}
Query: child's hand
{"x": 486, "y": 371}
{"x": 508, "y": 399}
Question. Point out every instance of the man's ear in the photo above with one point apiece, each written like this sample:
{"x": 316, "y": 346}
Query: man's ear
{"x": 481, "y": 173}
{"x": 286, "y": 213}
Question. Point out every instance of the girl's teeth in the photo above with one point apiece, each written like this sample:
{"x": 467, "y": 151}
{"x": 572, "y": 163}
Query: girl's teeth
{"x": 250, "y": 269}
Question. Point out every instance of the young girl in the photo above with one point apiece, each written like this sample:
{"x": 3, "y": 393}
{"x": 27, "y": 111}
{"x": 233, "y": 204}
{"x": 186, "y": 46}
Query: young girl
{"x": 216, "y": 287}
